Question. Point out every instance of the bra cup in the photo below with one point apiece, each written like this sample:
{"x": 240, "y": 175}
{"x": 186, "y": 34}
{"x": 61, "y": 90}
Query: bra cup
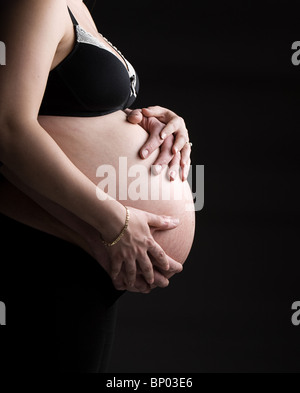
{"x": 90, "y": 82}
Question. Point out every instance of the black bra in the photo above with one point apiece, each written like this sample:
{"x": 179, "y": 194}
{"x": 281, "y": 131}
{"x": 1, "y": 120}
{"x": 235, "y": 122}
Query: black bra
{"x": 90, "y": 81}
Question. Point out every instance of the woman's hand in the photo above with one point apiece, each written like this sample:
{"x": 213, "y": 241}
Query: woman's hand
{"x": 168, "y": 132}
{"x": 137, "y": 246}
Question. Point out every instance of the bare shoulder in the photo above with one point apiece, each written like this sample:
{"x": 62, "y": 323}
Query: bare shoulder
{"x": 32, "y": 31}
{"x": 29, "y": 13}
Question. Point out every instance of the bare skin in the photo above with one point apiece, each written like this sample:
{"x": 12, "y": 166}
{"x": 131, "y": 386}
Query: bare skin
{"x": 29, "y": 208}
{"x": 50, "y": 173}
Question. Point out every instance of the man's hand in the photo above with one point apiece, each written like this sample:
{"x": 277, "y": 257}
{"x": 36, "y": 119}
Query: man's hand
{"x": 167, "y": 132}
{"x": 161, "y": 279}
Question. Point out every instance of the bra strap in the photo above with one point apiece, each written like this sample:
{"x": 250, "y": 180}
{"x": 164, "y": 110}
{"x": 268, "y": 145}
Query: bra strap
{"x": 75, "y": 23}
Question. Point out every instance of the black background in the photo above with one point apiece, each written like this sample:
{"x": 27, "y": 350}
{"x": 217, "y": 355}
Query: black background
{"x": 226, "y": 68}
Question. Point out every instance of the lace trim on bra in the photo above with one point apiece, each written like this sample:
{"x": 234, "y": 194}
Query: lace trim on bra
{"x": 85, "y": 37}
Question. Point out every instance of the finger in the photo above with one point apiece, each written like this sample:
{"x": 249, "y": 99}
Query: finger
{"x": 162, "y": 114}
{"x": 181, "y": 140}
{"x": 130, "y": 268}
{"x": 119, "y": 285}
{"x": 154, "y": 141}
{"x": 166, "y": 155}
{"x": 174, "y": 123}
{"x": 186, "y": 161}
{"x": 186, "y": 170}
{"x": 146, "y": 269}
{"x": 177, "y": 126}
{"x": 175, "y": 267}
{"x": 160, "y": 257}
{"x": 141, "y": 285}
{"x": 174, "y": 167}
{"x": 160, "y": 280}
{"x": 116, "y": 268}
{"x": 135, "y": 116}
{"x": 185, "y": 154}
{"x": 169, "y": 129}
{"x": 162, "y": 223}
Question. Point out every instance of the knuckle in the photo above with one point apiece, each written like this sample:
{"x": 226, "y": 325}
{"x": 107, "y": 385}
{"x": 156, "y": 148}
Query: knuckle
{"x": 164, "y": 160}
{"x": 182, "y": 140}
{"x": 161, "y": 255}
{"x": 141, "y": 288}
{"x": 181, "y": 121}
{"x": 115, "y": 273}
{"x": 170, "y": 140}
{"x": 147, "y": 269}
{"x": 149, "y": 242}
{"x": 149, "y": 146}
{"x": 131, "y": 272}
{"x": 153, "y": 144}
{"x": 177, "y": 158}
{"x": 173, "y": 126}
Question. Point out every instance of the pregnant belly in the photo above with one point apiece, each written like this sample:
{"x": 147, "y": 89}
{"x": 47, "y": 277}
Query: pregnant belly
{"x": 106, "y": 150}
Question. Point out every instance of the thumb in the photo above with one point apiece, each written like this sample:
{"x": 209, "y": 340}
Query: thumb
{"x": 162, "y": 223}
{"x": 135, "y": 116}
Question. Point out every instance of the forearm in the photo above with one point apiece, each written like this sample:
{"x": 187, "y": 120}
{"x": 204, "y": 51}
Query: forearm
{"x": 29, "y": 213}
{"x": 30, "y": 153}
{"x": 22, "y": 204}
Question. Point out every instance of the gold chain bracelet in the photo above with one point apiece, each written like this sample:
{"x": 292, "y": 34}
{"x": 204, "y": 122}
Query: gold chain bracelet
{"x": 121, "y": 234}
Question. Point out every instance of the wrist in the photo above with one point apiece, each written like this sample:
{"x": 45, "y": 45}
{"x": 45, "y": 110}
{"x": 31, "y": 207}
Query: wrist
{"x": 113, "y": 221}
{"x": 121, "y": 234}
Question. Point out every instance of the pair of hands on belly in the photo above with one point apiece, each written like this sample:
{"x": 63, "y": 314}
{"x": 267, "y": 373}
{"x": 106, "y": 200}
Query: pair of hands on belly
{"x": 168, "y": 132}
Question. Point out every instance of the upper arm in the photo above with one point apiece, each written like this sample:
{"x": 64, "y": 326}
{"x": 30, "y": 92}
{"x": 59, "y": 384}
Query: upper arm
{"x": 31, "y": 31}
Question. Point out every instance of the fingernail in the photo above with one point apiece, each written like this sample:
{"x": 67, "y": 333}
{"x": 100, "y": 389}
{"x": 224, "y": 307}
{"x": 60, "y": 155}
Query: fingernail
{"x": 145, "y": 153}
{"x": 172, "y": 175}
{"x": 176, "y": 150}
{"x": 157, "y": 169}
{"x": 163, "y": 135}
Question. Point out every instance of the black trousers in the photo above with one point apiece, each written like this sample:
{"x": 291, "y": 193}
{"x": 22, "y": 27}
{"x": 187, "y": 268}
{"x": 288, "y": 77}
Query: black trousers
{"x": 63, "y": 306}
{"x": 86, "y": 312}
{"x": 85, "y": 329}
